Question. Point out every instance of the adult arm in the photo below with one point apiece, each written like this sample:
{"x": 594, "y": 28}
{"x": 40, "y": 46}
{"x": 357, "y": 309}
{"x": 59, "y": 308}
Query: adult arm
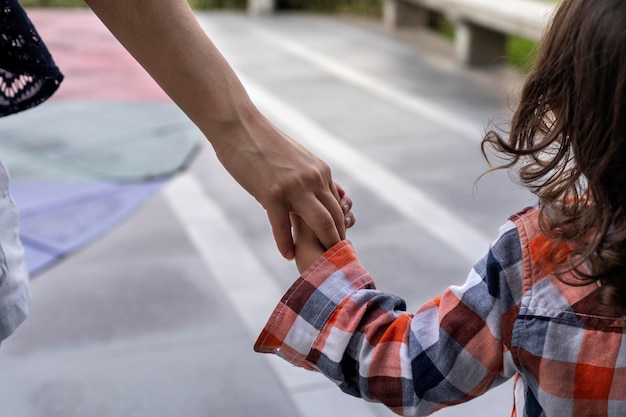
{"x": 166, "y": 39}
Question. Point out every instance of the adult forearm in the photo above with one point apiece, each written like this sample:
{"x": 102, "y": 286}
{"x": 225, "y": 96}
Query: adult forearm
{"x": 167, "y": 40}
{"x": 165, "y": 37}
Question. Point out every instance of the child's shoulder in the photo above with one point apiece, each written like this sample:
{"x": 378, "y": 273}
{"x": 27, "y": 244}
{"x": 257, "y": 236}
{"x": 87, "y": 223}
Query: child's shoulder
{"x": 526, "y": 222}
{"x": 529, "y": 215}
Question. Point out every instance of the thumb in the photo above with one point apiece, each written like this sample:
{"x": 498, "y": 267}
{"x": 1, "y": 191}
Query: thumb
{"x": 281, "y": 230}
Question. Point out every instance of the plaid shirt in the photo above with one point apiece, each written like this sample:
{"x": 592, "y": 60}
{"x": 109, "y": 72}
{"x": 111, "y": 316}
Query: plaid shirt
{"x": 509, "y": 319}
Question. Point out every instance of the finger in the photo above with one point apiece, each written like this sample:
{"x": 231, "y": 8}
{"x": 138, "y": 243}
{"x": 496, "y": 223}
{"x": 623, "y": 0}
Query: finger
{"x": 301, "y": 232}
{"x": 296, "y": 226}
{"x": 346, "y": 204}
{"x": 281, "y": 230}
{"x": 329, "y": 198}
{"x": 350, "y": 220}
{"x": 333, "y": 206}
{"x": 321, "y": 221}
{"x": 340, "y": 191}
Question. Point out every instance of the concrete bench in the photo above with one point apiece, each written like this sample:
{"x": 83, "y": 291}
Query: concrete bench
{"x": 481, "y": 26}
{"x": 261, "y": 7}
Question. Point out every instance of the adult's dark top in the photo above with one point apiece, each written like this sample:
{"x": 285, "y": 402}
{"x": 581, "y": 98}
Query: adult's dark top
{"x": 28, "y": 74}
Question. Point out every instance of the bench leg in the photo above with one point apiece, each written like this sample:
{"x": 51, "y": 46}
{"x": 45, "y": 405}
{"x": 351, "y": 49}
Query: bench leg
{"x": 397, "y": 13}
{"x": 261, "y": 7}
{"x": 477, "y": 46}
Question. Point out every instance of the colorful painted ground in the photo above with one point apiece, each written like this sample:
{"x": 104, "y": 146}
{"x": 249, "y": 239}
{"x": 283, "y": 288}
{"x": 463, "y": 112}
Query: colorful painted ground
{"x": 86, "y": 159}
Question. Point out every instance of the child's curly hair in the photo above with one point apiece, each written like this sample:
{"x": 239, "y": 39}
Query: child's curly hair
{"x": 568, "y": 137}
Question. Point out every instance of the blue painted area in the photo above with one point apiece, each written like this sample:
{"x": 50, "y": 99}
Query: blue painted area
{"x": 78, "y": 168}
{"x": 58, "y": 218}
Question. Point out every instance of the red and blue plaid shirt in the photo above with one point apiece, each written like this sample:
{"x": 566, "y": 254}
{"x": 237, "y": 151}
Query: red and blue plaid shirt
{"x": 510, "y": 319}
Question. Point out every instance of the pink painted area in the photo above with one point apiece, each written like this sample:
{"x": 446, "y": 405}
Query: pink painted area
{"x": 94, "y": 63}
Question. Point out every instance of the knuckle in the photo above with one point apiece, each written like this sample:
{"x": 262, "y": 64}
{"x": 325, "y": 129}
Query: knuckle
{"x": 296, "y": 184}
{"x": 276, "y": 191}
{"x": 313, "y": 178}
{"x": 324, "y": 169}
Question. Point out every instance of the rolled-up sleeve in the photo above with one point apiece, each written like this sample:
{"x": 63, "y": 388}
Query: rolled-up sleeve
{"x": 454, "y": 348}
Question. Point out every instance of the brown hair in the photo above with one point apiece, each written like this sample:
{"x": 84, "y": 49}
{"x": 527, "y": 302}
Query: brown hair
{"x": 575, "y": 162}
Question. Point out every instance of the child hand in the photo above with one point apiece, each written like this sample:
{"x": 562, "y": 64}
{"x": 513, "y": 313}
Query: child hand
{"x": 308, "y": 246}
{"x": 346, "y": 205}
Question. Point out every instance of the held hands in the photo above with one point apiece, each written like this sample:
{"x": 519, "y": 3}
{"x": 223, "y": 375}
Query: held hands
{"x": 286, "y": 178}
{"x": 308, "y": 246}
{"x": 281, "y": 174}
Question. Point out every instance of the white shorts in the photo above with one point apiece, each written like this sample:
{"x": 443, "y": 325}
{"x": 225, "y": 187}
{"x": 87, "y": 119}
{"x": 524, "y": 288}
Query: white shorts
{"x": 14, "y": 289}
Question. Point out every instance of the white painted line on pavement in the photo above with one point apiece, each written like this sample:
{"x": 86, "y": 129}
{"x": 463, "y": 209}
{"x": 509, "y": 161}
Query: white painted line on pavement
{"x": 406, "y": 198}
{"x": 419, "y": 106}
{"x": 251, "y": 292}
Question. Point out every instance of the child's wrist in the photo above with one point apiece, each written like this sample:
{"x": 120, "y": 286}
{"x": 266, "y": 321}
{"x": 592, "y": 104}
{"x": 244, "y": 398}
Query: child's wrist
{"x": 307, "y": 255}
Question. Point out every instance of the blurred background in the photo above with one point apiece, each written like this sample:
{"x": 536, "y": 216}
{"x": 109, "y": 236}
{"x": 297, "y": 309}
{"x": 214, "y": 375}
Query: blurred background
{"x": 518, "y": 48}
{"x": 153, "y": 271}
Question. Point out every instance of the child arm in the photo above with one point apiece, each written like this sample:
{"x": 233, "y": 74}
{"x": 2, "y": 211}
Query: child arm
{"x": 453, "y": 349}
{"x": 308, "y": 246}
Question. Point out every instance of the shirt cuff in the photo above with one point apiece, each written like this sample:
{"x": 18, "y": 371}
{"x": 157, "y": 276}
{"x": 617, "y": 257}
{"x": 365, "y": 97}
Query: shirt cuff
{"x": 307, "y": 306}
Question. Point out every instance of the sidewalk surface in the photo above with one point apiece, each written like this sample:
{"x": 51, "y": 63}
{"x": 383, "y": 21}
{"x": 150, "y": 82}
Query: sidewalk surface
{"x": 157, "y": 318}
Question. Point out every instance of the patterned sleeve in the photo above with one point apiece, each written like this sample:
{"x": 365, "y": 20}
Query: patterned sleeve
{"x": 455, "y": 348}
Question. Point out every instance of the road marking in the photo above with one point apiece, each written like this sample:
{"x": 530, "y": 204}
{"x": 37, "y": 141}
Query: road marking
{"x": 423, "y": 107}
{"x": 413, "y": 203}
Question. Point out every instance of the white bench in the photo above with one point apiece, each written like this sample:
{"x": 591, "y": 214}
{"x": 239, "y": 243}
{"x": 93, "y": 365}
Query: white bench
{"x": 481, "y": 26}
{"x": 261, "y": 7}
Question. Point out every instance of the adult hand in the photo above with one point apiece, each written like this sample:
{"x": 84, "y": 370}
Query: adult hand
{"x": 308, "y": 247}
{"x": 286, "y": 178}
{"x": 281, "y": 174}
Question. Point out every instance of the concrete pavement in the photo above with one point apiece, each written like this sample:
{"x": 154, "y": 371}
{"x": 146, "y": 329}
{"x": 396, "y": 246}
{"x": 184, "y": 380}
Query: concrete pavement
{"x": 158, "y": 317}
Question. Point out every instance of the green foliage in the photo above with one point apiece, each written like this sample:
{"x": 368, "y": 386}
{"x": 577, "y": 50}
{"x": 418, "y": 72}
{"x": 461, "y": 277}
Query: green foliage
{"x": 359, "y": 7}
{"x": 438, "y": 22}
{"x": 521, "y": 53}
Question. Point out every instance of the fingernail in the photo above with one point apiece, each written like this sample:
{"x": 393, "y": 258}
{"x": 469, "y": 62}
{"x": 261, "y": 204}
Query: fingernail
{"x": 348, "y": 220}
{"x": 346, "y": 208}
{"x": 290, "y": 254}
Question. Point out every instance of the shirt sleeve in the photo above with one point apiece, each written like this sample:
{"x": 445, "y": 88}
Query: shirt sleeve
{"x": 453, "y": 349}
